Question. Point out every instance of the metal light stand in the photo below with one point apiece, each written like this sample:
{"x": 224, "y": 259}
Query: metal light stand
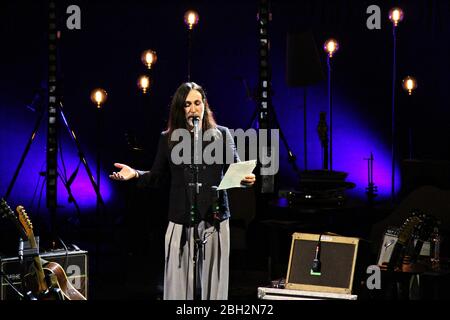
{"x": 393, "y": 132}
{"x": 97, "y": 207}
{"x": 189, "y": 54}
{"x": 99, "y": 146}
{"x": 305, "y": 131}
{"x": 330, "y": 111}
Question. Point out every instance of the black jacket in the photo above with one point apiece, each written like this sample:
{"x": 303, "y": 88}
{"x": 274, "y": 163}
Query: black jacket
{"x": 181, "y": 175}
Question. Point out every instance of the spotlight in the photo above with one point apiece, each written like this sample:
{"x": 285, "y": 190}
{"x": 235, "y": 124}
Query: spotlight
{"x": 191, "y": 18}
{"x": 409, "y": 84}
{"x": 98, "y": 96}
{"x": 331, "y": 46}
{"x": 144, "y": 83}
{"x": 148, "y": 58}
{"x": 396, "y": 15}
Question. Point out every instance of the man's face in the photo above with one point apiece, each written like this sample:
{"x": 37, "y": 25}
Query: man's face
{"x": 194, "y": 107}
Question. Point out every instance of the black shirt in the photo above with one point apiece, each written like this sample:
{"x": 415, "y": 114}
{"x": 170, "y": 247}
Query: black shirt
{"x": 181, "y": 175}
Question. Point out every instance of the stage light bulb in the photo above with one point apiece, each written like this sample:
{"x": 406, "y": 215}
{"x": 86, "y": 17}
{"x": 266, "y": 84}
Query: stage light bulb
{"x": 144, "y": 83}
{"x": 396, "y": 15}
{"x": 148, "y": 58}
{"x": 331, "y": 46}
{"x": 191, "y": 18}
{"x": 98, "y": 96}
{"x": 409, "y": 84}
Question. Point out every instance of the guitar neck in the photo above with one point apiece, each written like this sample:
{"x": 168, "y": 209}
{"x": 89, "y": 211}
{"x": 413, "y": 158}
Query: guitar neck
{"x": 405, "y": 238}
{"x": 42, "y": 284}
{"x": 40, "y": 275}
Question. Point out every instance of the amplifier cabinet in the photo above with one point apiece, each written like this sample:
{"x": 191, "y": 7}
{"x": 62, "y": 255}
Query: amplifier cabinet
{"x": 338, "y": 261}
{"x": 74, "y": 263}
{"x": 390, "y": 238}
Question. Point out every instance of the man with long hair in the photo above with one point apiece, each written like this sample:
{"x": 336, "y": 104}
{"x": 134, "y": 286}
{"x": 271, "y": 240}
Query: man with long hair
{"x": 208, "y": 221}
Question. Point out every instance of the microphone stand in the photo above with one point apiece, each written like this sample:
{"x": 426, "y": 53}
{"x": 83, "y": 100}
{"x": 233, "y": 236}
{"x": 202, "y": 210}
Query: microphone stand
{"x": 194, "y": 214}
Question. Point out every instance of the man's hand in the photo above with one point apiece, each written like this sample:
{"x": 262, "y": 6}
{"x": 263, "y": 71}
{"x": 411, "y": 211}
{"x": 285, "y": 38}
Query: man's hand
{"x": 125, "y": 173}
{"x": 249, "y": 180}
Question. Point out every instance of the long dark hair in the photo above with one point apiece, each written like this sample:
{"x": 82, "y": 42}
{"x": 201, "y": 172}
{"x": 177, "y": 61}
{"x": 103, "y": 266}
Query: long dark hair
{"x": 177, "y": 116}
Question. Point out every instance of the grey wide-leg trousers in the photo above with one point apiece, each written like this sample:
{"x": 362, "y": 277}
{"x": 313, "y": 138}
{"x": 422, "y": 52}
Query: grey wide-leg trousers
{"x": 212, "y": 265}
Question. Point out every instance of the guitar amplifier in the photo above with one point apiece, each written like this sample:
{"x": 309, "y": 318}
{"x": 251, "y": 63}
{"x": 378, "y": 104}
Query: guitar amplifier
{"x": 341, "y": 263}
{"x": 74, "y": 263}
{"x": 390, "y": 239}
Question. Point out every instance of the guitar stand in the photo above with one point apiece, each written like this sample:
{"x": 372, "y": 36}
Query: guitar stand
{"x": 26, "y": 252}
{"x": 26, "y": 255}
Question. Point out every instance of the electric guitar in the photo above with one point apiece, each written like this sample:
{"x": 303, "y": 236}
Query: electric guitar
{"x": 423, "y": 233}
{"x": 46, "y": 280}
{"x": 404, "y": 237}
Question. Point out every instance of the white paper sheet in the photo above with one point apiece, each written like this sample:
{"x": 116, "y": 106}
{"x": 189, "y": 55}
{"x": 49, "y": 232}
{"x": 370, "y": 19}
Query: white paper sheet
{"x": 235, "y": 173}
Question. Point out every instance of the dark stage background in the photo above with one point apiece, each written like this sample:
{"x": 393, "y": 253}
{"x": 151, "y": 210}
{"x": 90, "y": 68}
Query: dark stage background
{"x": 127, "y": 240}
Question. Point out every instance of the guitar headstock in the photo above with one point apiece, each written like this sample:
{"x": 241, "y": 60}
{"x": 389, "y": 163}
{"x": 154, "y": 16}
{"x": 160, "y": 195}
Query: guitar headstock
{"x": 426, "y": 227}
{"x": 25, "y": 222}
{"x": 408, "y": 227}
{"x": 6, "y": 211}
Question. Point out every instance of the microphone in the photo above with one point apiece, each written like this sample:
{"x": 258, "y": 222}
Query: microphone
{"x": 316, "y": 265}
{"x": 192, "y": 119}
{"x": 195, "y": 121}
{"x": 196, "y": 125}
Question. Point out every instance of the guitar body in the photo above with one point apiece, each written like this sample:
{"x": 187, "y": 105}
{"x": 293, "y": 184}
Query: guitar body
{"x": 67, "y": 289}
{"x": 52, "y": 292}
{"x": 59, "y": 287}
{"x": 404, "y": 255}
